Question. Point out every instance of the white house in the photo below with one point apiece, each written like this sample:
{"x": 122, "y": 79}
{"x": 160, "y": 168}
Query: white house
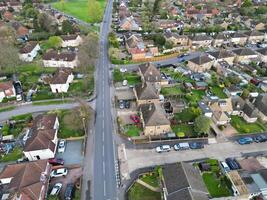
{"x": 64, "y": 59}
{"x": 61, "y": 80}
{"x": 7, "y": 90}
{"x": 42, "y": 143}
{"x": 71, "y": 40}
{"x": 29, "y": 51}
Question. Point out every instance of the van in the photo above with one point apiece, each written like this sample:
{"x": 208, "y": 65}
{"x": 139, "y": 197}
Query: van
{"x": 225, "y": 167}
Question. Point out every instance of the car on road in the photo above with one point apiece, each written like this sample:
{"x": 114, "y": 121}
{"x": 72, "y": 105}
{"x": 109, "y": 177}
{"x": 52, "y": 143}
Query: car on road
{"x": 163, "y": 148}
{"x": 135, "y": 118}
{"x": 245, "y": 140}
{"x": 123, "y": 70}
{"x": 232, "y": 163}
{"x": 56, "y": 161}
{"x": 59, "y": 172}
{"x": 56, "y": 189}
{"x": 196, "y": 145}
{"x": 260, "y": 138}
{"x": 181, "y": 146}
{"x": 61, "y": 146}
{"x": 69, "y": 192}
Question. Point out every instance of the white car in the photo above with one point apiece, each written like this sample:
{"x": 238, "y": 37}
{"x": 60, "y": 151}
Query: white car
{"x": 56, "y": 189}
{"x": 163, "y": 148}
{"x": 61, "y": 146}
{"x": 181, "y": 146}
{"x": 59, "y": 172}
{"x": 124, "y": 83}
{"x": 123, "y": 70}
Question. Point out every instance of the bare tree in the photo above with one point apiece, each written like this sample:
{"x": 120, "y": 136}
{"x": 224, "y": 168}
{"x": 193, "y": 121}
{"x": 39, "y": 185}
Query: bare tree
{"x": 9, "y": 58}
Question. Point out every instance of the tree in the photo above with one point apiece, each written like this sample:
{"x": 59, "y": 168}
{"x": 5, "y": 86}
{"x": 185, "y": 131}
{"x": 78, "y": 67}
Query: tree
{"x": 247, "y": 3}
{"x": 54, "y": 42}
{"x": 112, "y": 39}
{"x": 46, "y": 23}
{"x": 9, "y": 58}
{"x": 168, "y": 44}
{"x": 202, "y": 125}
{"x": 94, "y": 11}
{"x": 159, "y": 39}
{"x": 214, "y": 79}
{"x": 245, "y": 93}
{"x": 67, "y": 27}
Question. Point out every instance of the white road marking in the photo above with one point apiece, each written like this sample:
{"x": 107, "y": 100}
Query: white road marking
{"x": 104, "y": 187}
{"x": 103, "y": 136}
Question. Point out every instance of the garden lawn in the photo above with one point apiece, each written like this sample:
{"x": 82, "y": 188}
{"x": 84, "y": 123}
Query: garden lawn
{"x": 132, "y": 78}
{"x": 215, "y": 187}
{"x": 7, "y": 108}
{"x": 132, "y": 130}
{"x": 51, "y": 102}
{"x": 176, "y": 75}
{"x": 14, "y": 155}
{"x": 151, "y": 179}
{"x": 188, "y": 130}
{"x": 78, "y": 8}
{"x": 139, "y": 192}
{"x": 218, "y": 91}
{"x": 187, "y": 115}
{"x": 171, "y": 91}
{"x": 243, "y": 127}
{"x": 195, "y": 96}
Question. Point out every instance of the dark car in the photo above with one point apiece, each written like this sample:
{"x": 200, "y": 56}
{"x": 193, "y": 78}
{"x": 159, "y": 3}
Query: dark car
{"x": 69, "y": 191}
{"x": 260, "y": 138}
{"x": 196, "y": 145}
{"x": 127, "y": 104}
{"x": 56, "y": 161}
{"x": 232, "y": 163}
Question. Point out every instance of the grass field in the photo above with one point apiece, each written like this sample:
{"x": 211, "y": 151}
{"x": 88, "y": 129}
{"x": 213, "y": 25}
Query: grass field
{"x": 171, "y": 91}
{"x": 7, "y": 108}
{"x": 188, "y": 130}
{"x": 151, "y": 179}
{"x": 216, "y": 90}
{"x": 78, "y": 8}
{"x": 132, "y": 130}
{"x": 139, "y": 192}
{"x": 14, "y": 155}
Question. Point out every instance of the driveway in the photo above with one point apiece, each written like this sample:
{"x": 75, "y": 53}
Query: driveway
{"x": 73, "y": 152}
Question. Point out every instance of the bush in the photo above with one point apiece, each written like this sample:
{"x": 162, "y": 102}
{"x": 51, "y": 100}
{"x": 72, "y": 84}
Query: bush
{"x": 180, "y": 134}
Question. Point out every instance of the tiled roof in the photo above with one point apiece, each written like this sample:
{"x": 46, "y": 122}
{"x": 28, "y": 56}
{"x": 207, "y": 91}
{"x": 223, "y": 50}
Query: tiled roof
{"x": 150, "y": 72}
{"x": 64, "y": 56}
{"x": 146, "y": 91}
{"x": 61, "y": 76}
{"x": 202, "y": 59}
{"x": 28, "y": 47}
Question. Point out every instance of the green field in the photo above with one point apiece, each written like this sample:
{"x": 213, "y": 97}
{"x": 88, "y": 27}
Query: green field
{"x": 139, "y": 192}
{"x": 78, "y": 8}
{"x": 171, "y": 91}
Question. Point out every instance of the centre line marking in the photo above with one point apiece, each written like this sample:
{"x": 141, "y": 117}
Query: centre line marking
{"x": 104, "y": 187}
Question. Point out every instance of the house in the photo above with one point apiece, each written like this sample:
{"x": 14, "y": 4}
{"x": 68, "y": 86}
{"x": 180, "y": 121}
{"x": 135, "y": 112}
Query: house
{"x": 222, "y": 68}
{"x": 167, "y": 24}
{"x": 222, "y": 55}
{"x": 198, "y": 41}
{"x": 205, "y": 109}
{"x": 219, "y": 40}
{"x": 255, "y": 36}
{"x": 244, "y": 55}
{"x": 129, "y": 24}
{"x": 153, "y": 119}
{"x": 146, "y": 93}
{"x": 7, "y": 16}
{"x": 238, "y": 38}
{"x": 64, "y": 59}
{"x": 21, "y": 31}
{"x": 149, "y": 73}
{"x": 7, "y": 90}
{"x": 221, "y": 110}
{"x": 28, "y": 180}
{"x": 200, "y": 85}
{"x": 42, "y": 143}
{"x": 71, "y": 40}
{"x": 29, "y": 51}
{"x": 61, "y": 80}
{"x": 262, "y": 54}
{"x": 192, "y": 12}
{"x": 261, "y": 104}
{"x": 250, "y": 114}
{"x": 183, "y": 181}
{"x": 200, "y": 63}
{"x": 238, "y": 105}
{"x": 135, "y": 46}
{"x": 232, "y": 91}
{"x": 259, "y": 26}
{"x": 176, "y": 39}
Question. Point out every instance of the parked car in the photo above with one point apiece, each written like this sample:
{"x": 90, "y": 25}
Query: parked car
{"x": 196, "y": 145}
{"x": 127, "y": 104}
{"x": 225, "y": 167}
{"x": 260, "y": 138}
{"x": 124, "y": 83}
{"x": 181, "y": 146}
{"x": 56, "y": 189}
{"x": 163, "y": 148}
{"x": 59, "y": 172}
{"x": 135, "y": 118}
{"x": 232, "y": 163}
{"x": 56, "y": 161}
{"x": 121, "y": 104}
{"x": 69, "y": 191}
{"x": 122, "y": 70}
{"x": 61, "y": 146}
{"x": 245, "y": 140}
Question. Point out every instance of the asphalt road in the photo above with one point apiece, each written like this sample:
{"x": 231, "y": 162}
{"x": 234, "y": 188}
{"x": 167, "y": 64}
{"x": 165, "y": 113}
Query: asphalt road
{"x": 104, "y": 182}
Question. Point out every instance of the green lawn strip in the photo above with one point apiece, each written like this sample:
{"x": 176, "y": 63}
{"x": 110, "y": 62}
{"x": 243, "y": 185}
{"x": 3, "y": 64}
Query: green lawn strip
{"x": 139, "y": 192}
{"x": 218, "y": 91}
{"x": 78, "y": 8}
{"x": 171, "y": 91}
{"x": 186, "y": 115}
{"x": 243, "y": 127}
{"x": 195, "y": 96}
{"x": 151, "y": 179}
{"x": 132, "y": 78}
{"x": 51, "y": 102}
{"x": 26, "y": 117}
{"x": 7, "y": 108}
{"x": 132, "y": 130}
{"x": 176, "y": 75}
{"x": 215, "y": 186}
{"x": 14, "y": 155}
{"x": 187, "y": 129}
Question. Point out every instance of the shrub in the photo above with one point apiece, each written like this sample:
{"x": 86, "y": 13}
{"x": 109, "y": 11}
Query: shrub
{"x": 180, "y": 134}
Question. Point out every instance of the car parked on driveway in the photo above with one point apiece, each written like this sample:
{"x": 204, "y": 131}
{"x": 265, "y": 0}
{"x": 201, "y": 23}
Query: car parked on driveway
{"x": 56, "y": 189}
{"x": 61, "y": 146}
{"x": 135, "y": 118}
{"x": 245, "y": 140}
{"x": 163, "y": 148}
{"x": 59, "y": 172}
{"x": 56, "y": 161}
{"x": 69, "y": 191}
{"x": 121, "y": 104}
{"x": 260, "y": 138}
{"x": 196, "y": 145}
{"x": 181, "y": 146}
{"x": 232, "y": 163}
